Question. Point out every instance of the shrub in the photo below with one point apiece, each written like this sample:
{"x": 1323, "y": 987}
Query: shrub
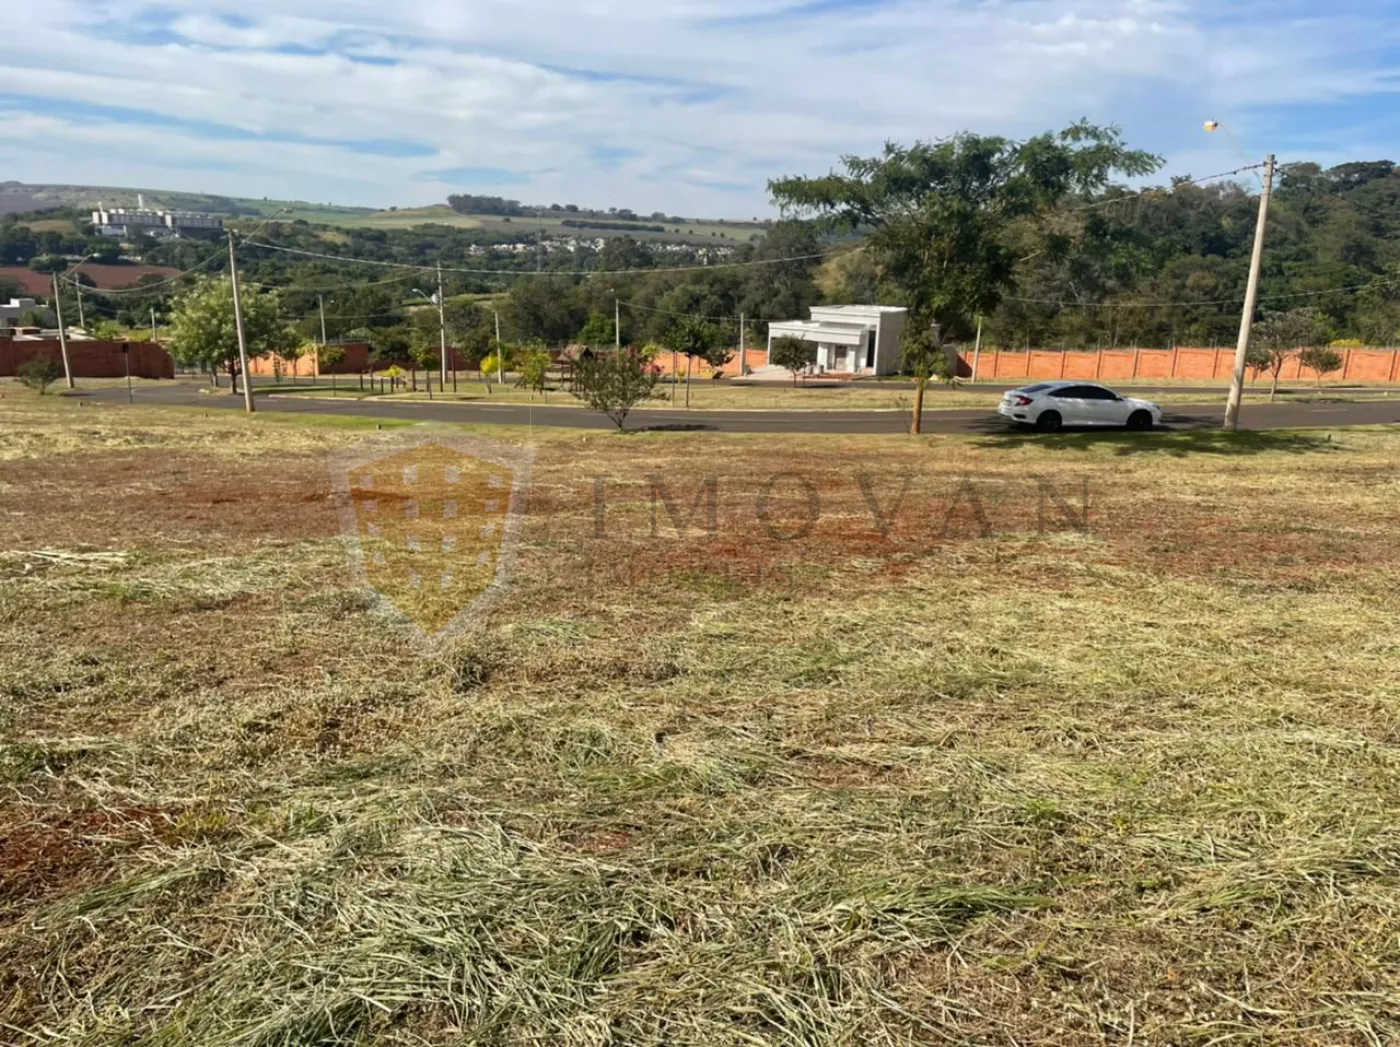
{"x": 40, "y": 373}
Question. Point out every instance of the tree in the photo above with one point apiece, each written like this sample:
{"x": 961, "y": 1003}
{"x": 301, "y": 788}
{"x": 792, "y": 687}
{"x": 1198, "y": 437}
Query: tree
{"x": 1277, "y": 337}
{"x": 39, "y": 373}
{"x": 694, "y": 337}
{"x": 614, "y": 381}
{"x": 924, "y": 358}
{"x": 795, "y": 354}
{"x": 203, "y": 332}
{"x": 939, "y": 214}
{"x": 534, "y": 371}
{"x": 599, "y": 331}
{"x": 1320, "y": 360}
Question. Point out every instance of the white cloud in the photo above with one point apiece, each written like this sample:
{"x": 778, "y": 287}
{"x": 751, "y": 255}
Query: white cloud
{"x": 707, "y": 93}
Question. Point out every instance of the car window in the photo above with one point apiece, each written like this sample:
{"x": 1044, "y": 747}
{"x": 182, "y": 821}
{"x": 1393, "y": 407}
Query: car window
{"x": 1098, "y": 392}
{"x": 1035, "y": 388}
{"x": 1072, "y": 392}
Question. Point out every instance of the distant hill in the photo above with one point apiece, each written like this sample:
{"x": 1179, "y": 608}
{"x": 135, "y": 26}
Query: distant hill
{"x": 83, "y": 197}
{"x": 553, "y": 220}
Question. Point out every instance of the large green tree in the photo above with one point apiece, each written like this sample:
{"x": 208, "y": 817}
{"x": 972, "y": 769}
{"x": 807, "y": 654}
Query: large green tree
{"x": 938, "y": 214}
{"x": 203, "y": 332}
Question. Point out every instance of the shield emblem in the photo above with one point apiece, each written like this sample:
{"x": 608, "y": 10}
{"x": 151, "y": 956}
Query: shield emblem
{"x": 430, "y": 526}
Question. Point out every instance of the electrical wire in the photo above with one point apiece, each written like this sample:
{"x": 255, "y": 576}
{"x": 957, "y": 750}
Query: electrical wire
{"x": 673, "y": 312}
{"x": 555, "y": 272}
{"x": 1063, "y": 303}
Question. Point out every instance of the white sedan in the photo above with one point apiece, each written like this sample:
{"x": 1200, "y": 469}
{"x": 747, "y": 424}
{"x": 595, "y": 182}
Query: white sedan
{"x": 1050, "y": 406}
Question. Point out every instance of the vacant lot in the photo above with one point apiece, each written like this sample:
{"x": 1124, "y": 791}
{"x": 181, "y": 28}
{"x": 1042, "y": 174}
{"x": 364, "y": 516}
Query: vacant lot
{"x": 967, "y": 767}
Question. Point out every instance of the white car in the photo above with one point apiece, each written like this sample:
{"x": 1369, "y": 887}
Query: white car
{"x": 1050, "y": 406}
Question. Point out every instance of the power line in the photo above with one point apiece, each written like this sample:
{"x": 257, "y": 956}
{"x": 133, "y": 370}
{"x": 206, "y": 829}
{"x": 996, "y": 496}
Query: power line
{"x": 1063, "y": 303}
{"x": 554, "y": 272}
{"x": 673, "y": 312}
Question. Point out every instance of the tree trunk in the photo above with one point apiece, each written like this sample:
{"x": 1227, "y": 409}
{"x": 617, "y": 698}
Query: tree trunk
{"x": 916, "y": 425}
{"x": 233, "y": 378}
{"x": 1273, "y": 389}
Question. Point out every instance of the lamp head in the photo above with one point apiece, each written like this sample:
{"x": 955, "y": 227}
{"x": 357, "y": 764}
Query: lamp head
{"x": 1212, "y": 125}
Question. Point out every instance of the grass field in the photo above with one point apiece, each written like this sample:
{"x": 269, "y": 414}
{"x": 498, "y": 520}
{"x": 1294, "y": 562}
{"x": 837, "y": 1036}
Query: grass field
{"x": 962, "y": 771}
{"x": 699, "y": 232}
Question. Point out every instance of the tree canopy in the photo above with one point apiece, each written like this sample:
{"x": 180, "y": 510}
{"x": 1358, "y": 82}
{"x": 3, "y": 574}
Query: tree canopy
{"x": 203, "y": 330}
{"x": 938, "y": 214}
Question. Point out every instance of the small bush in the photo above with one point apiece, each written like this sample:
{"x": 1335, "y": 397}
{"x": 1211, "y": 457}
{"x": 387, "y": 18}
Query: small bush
{"x": 39, "y": 373}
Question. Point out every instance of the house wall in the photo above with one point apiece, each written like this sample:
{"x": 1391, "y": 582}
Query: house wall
{"x": 89, "y": 359}
{"x": 888, "y": 354}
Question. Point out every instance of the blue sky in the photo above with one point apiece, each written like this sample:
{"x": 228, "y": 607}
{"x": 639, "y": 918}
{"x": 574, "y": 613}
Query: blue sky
{"x": 686, "y": 106}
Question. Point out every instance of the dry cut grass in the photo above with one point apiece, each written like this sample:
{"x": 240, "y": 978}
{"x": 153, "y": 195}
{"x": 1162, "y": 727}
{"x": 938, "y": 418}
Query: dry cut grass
{"x": 966, "y": 772}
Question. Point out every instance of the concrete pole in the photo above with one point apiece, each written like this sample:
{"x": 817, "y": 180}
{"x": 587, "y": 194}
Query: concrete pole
{"x": 153, "y": 325}
{"x": 500, "y": 351}
{"x": 242, "y": 336}
{"x": 62, "y": 334}
{"x": 1251, "y": 300}
{"x": 743, "y": 349}
{"x": 442, "y": 331}
{"x": 617, "y": 322}
{"x": 977, "y": 352}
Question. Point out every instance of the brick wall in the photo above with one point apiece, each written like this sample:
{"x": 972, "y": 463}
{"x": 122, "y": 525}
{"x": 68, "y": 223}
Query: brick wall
{"x": 1204, "y": 365}
{"x": 89, "y": 359}
{"x": 355, "y": 361}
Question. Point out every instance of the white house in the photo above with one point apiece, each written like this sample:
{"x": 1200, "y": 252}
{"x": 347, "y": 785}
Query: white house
{"x": 850, "y": 339}
{"x": 17, "y": 307}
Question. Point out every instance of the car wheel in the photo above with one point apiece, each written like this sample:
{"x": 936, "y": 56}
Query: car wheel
{"x": 1140, "y": 421}
{"x": 1049, "y": 422}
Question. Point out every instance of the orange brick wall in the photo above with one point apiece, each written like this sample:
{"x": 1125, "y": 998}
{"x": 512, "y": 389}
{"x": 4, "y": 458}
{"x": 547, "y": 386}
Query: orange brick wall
{"x": 1205, "y": 365}
{"x": 89, "y": 359}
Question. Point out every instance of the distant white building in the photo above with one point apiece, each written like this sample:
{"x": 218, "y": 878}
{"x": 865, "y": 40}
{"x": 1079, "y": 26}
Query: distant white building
{"x": 127, "y": 223}
{"x": 850, "y": 339}
{"x": 17, "y": 307}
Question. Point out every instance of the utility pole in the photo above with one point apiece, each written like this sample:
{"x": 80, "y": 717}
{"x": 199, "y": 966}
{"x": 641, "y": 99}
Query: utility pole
{"x": 977, "y": 352}
{"x": 617, "y": 320}
{"x": 743, "y": 349}
{"x": 321, "y": 301}
{"x": 1251, "y": 300}
{"x": 442, "y": 330}
{"x": 62, "y": 334}
{"x": 82, "y": 320}
{"x": 242, "y": 336}
{"x": 153, "y": 325}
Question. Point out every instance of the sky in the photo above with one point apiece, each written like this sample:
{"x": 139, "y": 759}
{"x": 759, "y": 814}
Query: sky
{"x": 683, "y": 106}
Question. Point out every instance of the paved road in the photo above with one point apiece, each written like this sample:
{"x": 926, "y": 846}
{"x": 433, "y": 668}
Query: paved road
{"x": 1186, "y": 416}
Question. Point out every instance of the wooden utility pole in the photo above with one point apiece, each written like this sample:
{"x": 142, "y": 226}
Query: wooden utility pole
{"x": 238, "y": 323}
{"x": 62, "y": 334}
{"x": 1251, "y": 301}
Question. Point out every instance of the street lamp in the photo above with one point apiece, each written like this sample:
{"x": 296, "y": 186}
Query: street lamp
{"x": 1251, "y": 296}
{"x": 437, "y": 299}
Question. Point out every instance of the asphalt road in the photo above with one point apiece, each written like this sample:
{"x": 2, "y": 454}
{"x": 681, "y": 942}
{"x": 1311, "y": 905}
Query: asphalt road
{"x": 1185, "y": 416}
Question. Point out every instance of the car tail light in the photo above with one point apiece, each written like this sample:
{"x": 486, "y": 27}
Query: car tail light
{"x": 1023, "y": 401}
